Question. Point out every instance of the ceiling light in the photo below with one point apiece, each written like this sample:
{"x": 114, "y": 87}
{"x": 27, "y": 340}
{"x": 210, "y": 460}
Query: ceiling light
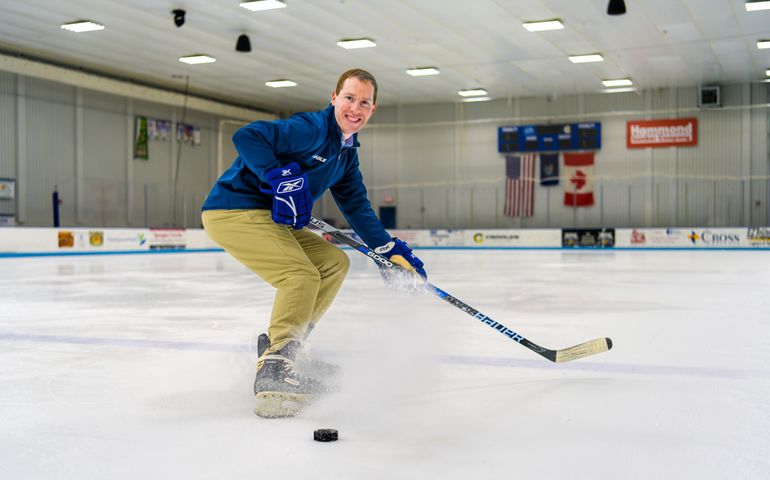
{"x": 243, "y": 44}
{"x": 593, "y": 57}
{"x": 476, "y": 99}
{"x": 621, "y": 82}
{"x": 757, "y": 5}
{"x": 762, "y": 44}
{"x": 350, "y": 43}
{"x": 618, "y": 90}
{"x": 473, "y": 92}
{"x": 423, "y": 71}
{"x": 82, "y": 26}
{"x": 259, "y": 5}
{"x": 544, "y": 25}
{"x": 767, "y": 72}
{"x": 280, "y": 83}
{"x": 197, "y": 58}
{"x": 616, "y": 7}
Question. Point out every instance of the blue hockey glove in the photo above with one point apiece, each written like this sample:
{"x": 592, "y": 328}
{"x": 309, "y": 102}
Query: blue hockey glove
{"x": 398, "y": 252}
{"x": 290, "y": 189}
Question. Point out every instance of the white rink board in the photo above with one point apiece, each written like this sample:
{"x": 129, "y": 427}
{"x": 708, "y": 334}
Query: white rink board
{"x": 32, "y": 241}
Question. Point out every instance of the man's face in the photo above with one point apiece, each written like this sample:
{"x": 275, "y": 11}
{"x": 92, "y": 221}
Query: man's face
{"x": 353, "y": 105}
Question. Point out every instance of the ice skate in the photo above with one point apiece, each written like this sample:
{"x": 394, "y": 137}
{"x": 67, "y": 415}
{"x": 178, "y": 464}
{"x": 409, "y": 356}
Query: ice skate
{"x": 329, "y": 373}
{"x": 279, "y": 390}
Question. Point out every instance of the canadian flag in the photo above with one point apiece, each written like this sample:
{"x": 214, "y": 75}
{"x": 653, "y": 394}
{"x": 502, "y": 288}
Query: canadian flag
{"x": 578, "y": 172}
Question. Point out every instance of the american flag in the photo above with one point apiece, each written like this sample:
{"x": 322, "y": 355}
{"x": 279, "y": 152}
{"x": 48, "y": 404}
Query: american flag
{"x": 520, "y": 185}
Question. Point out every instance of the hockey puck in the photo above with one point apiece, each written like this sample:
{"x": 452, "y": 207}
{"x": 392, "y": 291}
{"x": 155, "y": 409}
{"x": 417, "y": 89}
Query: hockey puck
{"x": 325, "y": 435}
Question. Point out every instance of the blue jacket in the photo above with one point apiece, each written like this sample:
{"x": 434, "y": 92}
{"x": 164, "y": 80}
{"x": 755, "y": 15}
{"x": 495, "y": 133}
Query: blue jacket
{"x": 314, "y": 141}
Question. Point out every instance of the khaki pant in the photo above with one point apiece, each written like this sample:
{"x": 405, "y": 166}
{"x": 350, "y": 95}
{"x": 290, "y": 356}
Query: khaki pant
{"x": 307, "y": 270}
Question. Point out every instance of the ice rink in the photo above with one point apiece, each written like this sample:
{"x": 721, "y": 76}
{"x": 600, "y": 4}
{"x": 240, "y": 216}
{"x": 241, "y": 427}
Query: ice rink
{"x": 141, "y": 366}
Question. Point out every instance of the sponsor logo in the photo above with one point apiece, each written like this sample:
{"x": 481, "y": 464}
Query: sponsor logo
{"x": 759, "y": 234}
{"x": 638, "y": 238}
{"x": 290, "y": 186}
{"x": 66, "y": 239}
{"x": 319, "y": 158}
{"x": 481, "y": 237}
{"x": 662, "y": 133}
{"x": 96, "y": 238}
{"x": 707, "y": 237}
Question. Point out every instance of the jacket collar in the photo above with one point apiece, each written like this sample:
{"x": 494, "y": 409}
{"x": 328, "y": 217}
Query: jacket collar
{"x": 336, "y": 132}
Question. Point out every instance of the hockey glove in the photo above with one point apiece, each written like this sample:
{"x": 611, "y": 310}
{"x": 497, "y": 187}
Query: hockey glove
{"x": 290, "y": 189}
{"x": 411, "y": 276}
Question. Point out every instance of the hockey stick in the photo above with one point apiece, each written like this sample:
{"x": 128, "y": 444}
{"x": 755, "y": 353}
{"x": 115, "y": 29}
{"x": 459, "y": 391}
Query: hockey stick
{"x": 585, "y": 349}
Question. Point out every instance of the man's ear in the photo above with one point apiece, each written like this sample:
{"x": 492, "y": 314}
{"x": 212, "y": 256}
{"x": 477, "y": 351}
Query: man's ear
{"x": 334, "y": 97}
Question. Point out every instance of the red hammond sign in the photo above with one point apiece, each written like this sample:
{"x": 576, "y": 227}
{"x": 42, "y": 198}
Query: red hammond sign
{"x": 679, "y": 132}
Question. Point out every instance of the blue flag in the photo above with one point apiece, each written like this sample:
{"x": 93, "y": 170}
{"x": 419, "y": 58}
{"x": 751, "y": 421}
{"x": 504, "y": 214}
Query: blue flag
{"x": 549, "y": 169}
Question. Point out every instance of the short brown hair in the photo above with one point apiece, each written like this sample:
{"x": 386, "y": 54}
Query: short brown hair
{"x": 360, "y": 74}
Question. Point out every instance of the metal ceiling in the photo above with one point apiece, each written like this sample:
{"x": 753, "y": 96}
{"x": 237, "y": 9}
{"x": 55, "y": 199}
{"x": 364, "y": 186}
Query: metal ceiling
{"x": 474, "y": 43}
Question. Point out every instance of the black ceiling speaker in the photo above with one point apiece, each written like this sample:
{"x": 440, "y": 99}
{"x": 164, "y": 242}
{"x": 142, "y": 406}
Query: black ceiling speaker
{"x": 616, "y": 7}
{"x": 243, "y": 44}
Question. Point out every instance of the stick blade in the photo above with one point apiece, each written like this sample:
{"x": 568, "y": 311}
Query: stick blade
{"x": 591, "y": 347}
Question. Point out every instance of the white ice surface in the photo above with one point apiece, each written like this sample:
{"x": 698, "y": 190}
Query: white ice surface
{"x": 141, "y": 366}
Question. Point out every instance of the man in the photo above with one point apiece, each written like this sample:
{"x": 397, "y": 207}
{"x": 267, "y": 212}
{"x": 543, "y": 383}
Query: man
{"x": 257, "y": 212}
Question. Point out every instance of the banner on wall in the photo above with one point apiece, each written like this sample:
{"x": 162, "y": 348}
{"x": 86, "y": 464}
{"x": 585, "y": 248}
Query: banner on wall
{"x": 188, "y": 134}
{"x": 7, "y": 188}
{"x": 674, "y": 132}
{"x": 579, "y": 172}
{"x": 158, "y": 129}
{"x": 141, "y": 144}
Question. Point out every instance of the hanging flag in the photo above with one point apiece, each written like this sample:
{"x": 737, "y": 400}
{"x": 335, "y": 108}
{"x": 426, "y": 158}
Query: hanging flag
{"x": 578, "y": 170}
{"x": 549, "y": 169}
{"x": 519, "y": 185}
{"x": 141, "y": 148}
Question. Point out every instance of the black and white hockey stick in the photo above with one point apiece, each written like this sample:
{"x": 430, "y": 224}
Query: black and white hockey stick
{"x": 585, "y": 349}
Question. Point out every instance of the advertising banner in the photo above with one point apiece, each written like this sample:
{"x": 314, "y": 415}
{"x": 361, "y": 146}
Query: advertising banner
{"x": 167, "y": 239}
{"x": 588, "y": 238}
{"x": 675, "y": 132}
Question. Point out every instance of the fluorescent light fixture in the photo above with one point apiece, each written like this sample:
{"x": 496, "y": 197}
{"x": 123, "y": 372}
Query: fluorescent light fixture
{"x": 423, "y": 71}
{"x": 350, "y": 43}
{"x": 476, "y": 99}
{"x": 767, "y": 72}
{"x": 259, "y": 5}
{"x": 762, "y": 44}
{"x": 544, "y": 25}
{"x": 757, "y": 5}
{"x": 618, "y": 90}
{"x": 590, "y": 58}
{"x": 197, "y": 58}
{"x": 281, "y": 83}
{"x": 621, "y": 82}
{"x": 82, "y": 26}
{"x": 473, "y": 92}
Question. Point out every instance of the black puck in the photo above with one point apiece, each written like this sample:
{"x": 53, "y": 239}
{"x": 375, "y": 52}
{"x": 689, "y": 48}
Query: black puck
{"x": 325, "y": 435}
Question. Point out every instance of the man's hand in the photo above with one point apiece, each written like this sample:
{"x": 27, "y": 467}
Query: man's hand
{"x": 412, "y": 274}
{"x": 292, "y": 203}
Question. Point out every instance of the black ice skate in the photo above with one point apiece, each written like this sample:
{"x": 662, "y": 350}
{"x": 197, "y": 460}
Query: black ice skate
{"x": 279, "y": 390}
{"x": 326, "y": 372}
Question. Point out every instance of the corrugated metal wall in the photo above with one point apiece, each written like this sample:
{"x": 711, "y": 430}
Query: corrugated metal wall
{"x": 441, "y": 165}
{"x": 80, "y": 142}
